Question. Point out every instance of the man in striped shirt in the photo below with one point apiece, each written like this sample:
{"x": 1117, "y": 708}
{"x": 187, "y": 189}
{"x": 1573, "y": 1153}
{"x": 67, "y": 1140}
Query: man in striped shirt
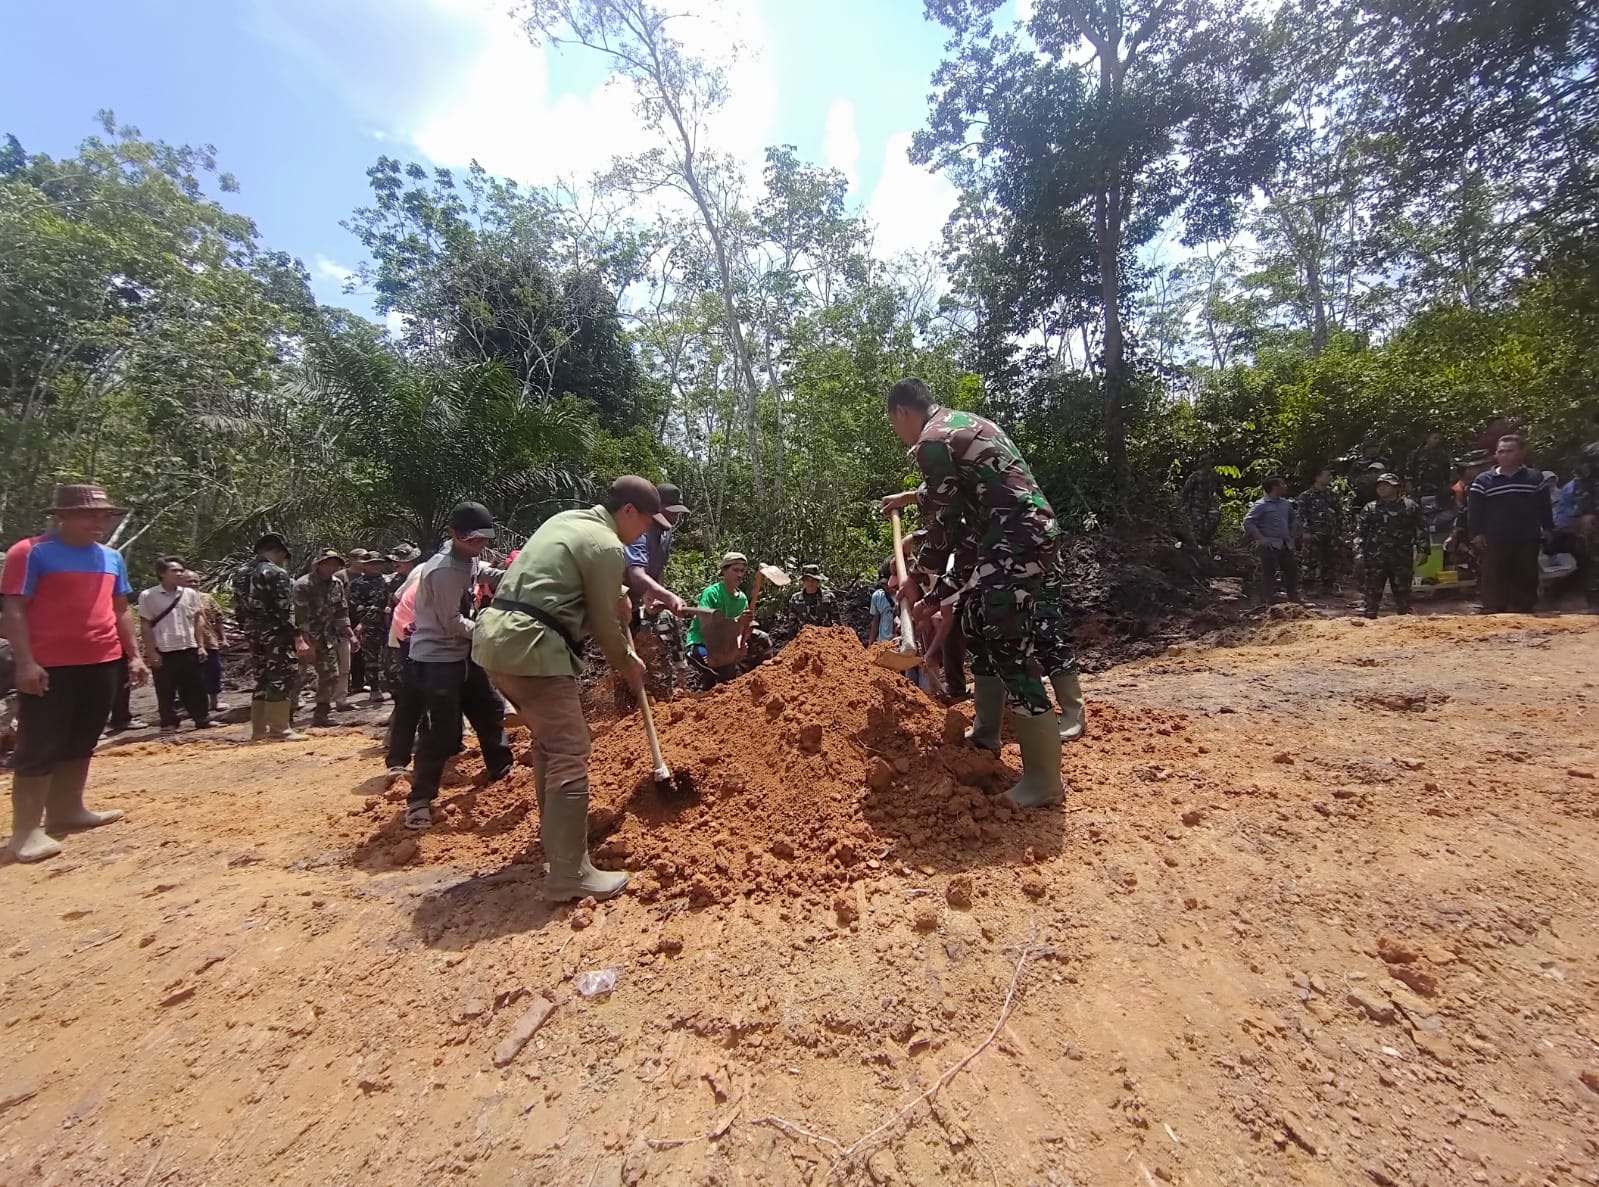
{"x": 1510, "y": 518}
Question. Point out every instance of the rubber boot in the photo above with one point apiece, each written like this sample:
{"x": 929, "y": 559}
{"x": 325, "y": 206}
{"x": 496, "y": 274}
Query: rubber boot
{"x": 988, "y": 705}
{"x": 64, "y": 810}
{"x": 258, "y": 721}
{"x": 29, "y": 841}
{"x": 1039, "y": 738}
{"x": 563, "y": 829}
{"x": 1069, "y": 692}
{"x": 279, "y": 727}
{"x": 322, "y": 715}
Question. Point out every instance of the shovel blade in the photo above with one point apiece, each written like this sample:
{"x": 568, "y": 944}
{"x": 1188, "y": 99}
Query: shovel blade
{"x": 775, "y": 575}
{"x": 897, "y": 661}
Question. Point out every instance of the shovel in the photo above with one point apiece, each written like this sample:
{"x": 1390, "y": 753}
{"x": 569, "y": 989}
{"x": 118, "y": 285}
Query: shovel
{"x": 662, "y": 772}
{"x": 906, "y": 657}
{"x": 765, "y": 573}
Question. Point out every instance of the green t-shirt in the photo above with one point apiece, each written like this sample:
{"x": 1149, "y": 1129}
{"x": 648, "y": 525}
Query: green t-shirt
{"x": 729, "y": 603}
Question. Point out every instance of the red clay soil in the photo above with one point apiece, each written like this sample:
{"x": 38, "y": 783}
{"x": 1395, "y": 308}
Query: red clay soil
{"x": 815, "y": 770}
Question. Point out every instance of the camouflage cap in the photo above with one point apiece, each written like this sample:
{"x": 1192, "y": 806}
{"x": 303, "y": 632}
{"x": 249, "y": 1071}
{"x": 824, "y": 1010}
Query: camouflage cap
{"x": 407, "y": 551}
{"x": 328, "y": 554}
{"x": 1390, "y": 479}
{"x": 360, "y": 555}
{"x": 813, "y": 572}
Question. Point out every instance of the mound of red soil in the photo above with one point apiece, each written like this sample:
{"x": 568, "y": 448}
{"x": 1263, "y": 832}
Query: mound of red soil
{"x": 814, "y": 770}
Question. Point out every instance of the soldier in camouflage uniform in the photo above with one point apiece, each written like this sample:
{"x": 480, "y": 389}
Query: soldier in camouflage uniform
{"x": 1431, "y": 469}
{"x": 263, "y": 606}
{"x": 980, "y": 499}
{"x": 1321, "y": 519}
{"x": 1202, "y": 501}
{"x": 322, "y": 615}
{"x": 1585, "y": 521}
{"x": 813, "y": 605}
{"x": 1391, "y": 533}
{"x": 369, "y": 601}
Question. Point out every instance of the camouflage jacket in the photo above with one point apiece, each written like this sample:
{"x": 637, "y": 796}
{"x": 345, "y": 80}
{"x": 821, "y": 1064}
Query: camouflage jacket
{"x": 1587, "y": 477}
{"x": 263, "y": 598}
{"x": 1431, "y": 471}
{"x": 322, "y": 608}
{"x": 820, "y": 610}
{"x": 369, "y": 600}
{"x": 1392, "y": 532}
{"x": 977, "y": 489}
{"x": 1320, "y": 513}
{"x": 1201, "y": 491}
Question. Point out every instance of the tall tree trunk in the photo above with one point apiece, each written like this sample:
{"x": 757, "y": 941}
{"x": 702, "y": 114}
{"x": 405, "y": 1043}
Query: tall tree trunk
{"x": 1107, "y": 209}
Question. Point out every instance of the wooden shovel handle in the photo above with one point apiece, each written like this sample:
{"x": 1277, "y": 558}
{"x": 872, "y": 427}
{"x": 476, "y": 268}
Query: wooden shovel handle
{"x": 907, "y": 629}
{"x": 662, "y": 771}
{"x": 744, "y": 635}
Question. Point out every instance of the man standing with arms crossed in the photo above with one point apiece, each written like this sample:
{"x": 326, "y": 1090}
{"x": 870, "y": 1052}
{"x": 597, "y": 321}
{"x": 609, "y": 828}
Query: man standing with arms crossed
{"x": 561, "y": 590}
{"x": 981, "y": 502}
{"x": 1510, "y": 517}
{"x": 67, "y": 618}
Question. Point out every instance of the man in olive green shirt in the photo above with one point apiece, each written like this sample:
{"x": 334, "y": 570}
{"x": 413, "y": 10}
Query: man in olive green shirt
{"x": 562, "y": 589}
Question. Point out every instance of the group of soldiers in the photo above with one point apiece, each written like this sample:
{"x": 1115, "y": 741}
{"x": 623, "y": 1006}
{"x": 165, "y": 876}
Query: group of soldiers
{"x": 1383, "y": 521}
{"x": 331, "y": 625}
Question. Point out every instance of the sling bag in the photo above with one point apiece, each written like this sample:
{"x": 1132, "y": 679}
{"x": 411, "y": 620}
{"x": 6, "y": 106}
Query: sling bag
{"x": 547, "y": 619}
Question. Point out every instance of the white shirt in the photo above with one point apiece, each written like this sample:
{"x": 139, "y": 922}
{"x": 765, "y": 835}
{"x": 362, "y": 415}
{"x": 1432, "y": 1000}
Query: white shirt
{"x": 175, "y": 632}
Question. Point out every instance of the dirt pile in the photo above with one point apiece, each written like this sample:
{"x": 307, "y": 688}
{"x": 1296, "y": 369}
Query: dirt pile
{"x": 813, "y": 771}
{"x": 1130, "y": 593}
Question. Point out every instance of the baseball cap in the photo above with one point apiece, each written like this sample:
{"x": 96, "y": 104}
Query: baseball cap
{"x": 734, "y": 558}
{"x": 271, "y": 540}
{"x": 640, "y": 492}
{"x": 328, "y": 554}
{"x": 671, "y": 498}
{"x": 360, "y": 555}
{"x": 1374, "y": 466}
{"x": 472, "y": 521}
{"x": 1390, "y": 479}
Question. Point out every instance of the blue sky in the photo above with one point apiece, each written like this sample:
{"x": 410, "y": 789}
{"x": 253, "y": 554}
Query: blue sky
{"x": 301, "y": 96}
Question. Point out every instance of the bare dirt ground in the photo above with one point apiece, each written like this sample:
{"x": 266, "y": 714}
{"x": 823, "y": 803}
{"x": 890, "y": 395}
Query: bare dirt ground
{"x": 1320, "y": 910}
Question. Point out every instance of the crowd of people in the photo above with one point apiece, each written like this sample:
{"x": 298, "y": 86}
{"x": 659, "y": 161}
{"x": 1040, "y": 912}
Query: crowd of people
{"x": 454, "y": 638}
{"x": 1488, "y": 517}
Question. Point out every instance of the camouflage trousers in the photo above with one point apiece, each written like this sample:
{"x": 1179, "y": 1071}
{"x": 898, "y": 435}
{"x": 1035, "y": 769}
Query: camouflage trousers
{"x": 324, "y": 663}
{"x": 1004, "y": 632}
{"x": 273, "y": 665}
{"x": 1205, "y": 521}
{"x": 1396, "y": 573}
{"x": 374, "y": 642}
{"x": 1055, "y": 651}
{"x": 392, "y": 666}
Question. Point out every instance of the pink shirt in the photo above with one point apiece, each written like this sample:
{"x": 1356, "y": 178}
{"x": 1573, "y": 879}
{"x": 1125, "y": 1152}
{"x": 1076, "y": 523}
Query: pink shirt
{"x": 405, "y": 609}
{"x": 71, "y": 616}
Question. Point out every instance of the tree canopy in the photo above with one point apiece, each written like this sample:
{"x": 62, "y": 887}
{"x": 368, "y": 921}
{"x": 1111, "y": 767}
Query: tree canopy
{"x": 1281, "y": 236}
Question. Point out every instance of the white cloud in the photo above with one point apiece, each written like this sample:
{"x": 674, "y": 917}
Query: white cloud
{"x": 501, "y": 111}
{"x": 910, "y": 204}
{"x": 395, "y": 322}
{"x": 1025, "y": 9}
{"x": 841, "y": 144}
{"x": 333, "y": 270}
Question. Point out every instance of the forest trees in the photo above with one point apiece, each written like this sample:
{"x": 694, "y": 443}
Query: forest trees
{"x": 1082, "y": 133}
{"x": 1279, "y": 236}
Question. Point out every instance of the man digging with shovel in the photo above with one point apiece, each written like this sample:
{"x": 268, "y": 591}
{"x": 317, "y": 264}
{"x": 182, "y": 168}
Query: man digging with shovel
{"x": 562, "y": 589}
{"x": 722, "y": 640}
{"x": 980, "y": 500}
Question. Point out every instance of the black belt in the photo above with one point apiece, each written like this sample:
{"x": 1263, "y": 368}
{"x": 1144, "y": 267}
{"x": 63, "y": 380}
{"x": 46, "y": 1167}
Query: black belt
{"x": 542, "y": 616}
